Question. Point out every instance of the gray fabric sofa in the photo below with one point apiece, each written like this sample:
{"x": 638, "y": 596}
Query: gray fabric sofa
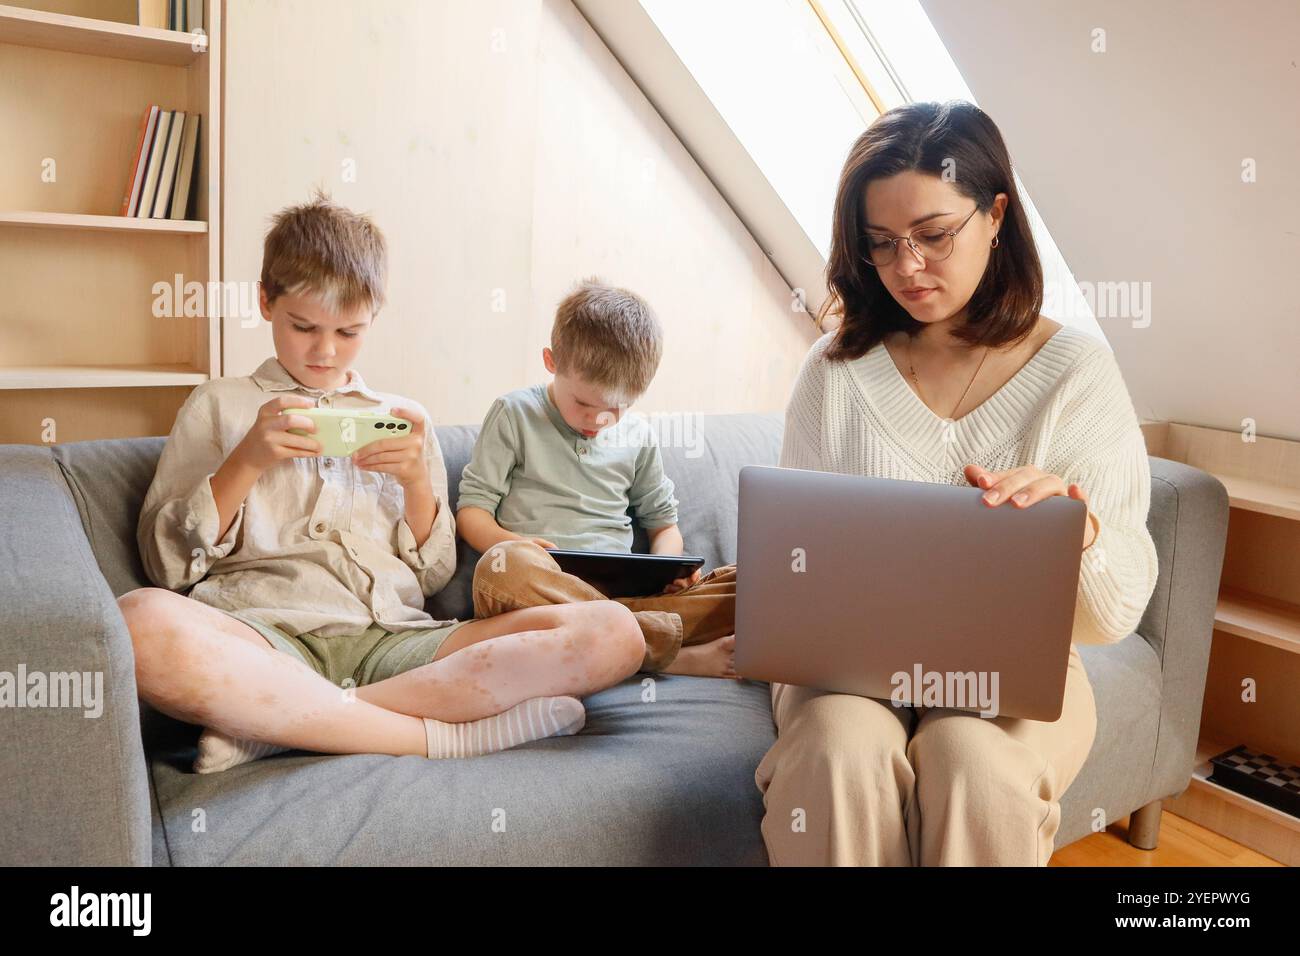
{"x": 661, "y": 774}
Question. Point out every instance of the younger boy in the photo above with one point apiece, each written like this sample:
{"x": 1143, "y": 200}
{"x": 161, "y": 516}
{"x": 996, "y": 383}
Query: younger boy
{"x": 309, "y": 573}
{"x": 558, "y": 465}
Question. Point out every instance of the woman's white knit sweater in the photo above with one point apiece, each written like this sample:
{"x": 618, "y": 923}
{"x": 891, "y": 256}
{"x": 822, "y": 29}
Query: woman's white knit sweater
{"x": 1067, "y": 411}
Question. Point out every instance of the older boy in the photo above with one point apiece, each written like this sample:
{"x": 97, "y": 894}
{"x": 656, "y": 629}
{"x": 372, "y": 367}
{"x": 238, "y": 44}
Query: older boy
{"x": 309, "y": 573}
{"x": 559, "y": 465}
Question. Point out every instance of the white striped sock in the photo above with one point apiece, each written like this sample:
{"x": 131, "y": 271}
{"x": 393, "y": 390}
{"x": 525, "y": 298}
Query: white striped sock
{"x": 532, "y": 719}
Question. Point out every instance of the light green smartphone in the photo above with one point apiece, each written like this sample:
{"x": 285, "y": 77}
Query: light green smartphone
{"x": 341, "y": 431}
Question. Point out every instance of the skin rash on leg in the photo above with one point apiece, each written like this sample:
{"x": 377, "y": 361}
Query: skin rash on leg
{"x": 197, "y": 672}
{"x": 579, "y": 650}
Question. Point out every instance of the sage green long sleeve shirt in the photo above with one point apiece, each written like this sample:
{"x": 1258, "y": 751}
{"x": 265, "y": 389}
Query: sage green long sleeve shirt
{"x": 540, "y": 478}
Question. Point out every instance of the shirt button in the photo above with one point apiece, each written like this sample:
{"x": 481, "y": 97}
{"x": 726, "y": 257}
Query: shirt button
{"x": 328, "y": 462}
{"x": 326, "y": 401}
{"x": 582, "y": 450}
{"x": 320, "y": 527}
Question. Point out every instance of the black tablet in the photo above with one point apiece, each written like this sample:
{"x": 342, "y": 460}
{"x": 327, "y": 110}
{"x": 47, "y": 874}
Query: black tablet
{"x": 615, "y": 574}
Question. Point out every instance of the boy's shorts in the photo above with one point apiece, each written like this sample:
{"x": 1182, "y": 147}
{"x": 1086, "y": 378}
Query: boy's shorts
{"x": 354, "y": 660}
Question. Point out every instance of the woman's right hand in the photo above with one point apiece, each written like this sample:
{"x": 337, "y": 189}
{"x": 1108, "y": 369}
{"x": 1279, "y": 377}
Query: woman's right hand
{"x": 269, "y": 442}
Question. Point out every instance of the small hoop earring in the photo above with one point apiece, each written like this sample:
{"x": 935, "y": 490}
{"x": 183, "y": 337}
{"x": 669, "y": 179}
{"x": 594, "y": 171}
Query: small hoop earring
{"x": 995, "y": 243}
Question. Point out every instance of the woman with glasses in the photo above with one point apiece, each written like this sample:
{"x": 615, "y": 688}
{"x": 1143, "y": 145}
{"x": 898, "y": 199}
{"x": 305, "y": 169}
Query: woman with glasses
{"x": 942, "y": 369}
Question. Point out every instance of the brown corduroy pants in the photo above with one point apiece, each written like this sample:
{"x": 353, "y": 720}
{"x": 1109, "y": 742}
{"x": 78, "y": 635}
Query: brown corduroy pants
{"x": 519, "y": 574}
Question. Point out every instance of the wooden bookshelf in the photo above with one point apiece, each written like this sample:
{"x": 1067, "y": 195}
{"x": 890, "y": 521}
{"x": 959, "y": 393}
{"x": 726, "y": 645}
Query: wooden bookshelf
{"x": 98, "y": 376}
{"x": 65, "y": 220}
{"x": 78, "y": 323}
{"x": 1255, "y": 618}
{"x": 57, "y": 31}
{"x": 1262, "y": 496}
{"x": 1256, "y": 627}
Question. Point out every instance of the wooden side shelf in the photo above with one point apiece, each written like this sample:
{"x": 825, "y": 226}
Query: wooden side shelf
{"x": 1261, "y": 475}
{"x": 99, "y": 376}
{"x": 124, "y": 41}
{"x": 1262, "y": 496}
{"x": 1274, "y": 623}
{"x": 67, "y": 220}
{"x": 1256, "y": 626}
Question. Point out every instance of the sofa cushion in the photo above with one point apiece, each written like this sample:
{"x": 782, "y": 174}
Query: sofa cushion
{"x": 1126, "y": 688}
{"x": 108, "y": 480}
{"x": 662, "y": 782}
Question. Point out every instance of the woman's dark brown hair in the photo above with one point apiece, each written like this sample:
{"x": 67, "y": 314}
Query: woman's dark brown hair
{"x": 931, "y": 138}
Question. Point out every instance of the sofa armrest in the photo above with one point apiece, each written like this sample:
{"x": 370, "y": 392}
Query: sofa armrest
{"x": 73, "y": 780}
{"x": 1188, "y": 522}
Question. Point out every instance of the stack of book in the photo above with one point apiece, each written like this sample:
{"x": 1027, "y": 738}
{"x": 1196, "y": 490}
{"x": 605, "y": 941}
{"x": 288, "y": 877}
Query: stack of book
{"x": 162, "y": 183}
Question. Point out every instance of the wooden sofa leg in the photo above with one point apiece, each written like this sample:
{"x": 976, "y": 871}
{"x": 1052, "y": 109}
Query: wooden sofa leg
{"x": 1144, "y": 826}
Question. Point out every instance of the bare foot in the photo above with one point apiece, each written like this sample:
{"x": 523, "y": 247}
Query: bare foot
{"x": 714, "y": 659}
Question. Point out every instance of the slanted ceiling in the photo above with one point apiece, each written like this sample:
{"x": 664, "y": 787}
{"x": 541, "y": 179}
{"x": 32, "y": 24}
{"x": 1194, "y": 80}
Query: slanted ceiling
{"x": 1134, "y": 157}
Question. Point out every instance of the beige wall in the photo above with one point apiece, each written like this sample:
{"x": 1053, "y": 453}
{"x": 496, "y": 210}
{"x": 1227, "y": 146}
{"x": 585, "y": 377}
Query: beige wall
{"x": 1133, "y": 157}
{"x": 505, "y": 154}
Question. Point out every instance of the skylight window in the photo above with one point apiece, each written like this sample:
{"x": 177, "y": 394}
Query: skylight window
{"x": 795, "y": 82}
{"x": 777, "y": 90}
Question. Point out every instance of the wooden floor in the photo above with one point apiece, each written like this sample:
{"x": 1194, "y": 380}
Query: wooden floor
{"x": 1182, "y": 843}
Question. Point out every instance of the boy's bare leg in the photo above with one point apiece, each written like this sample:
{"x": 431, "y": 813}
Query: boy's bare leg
{"x": 491, "y": 664}
{"x": 196, "y": 664}
{"x": 199, "y": 665}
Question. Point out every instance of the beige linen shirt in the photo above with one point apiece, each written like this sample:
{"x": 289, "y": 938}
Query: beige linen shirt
{"x": 319, "y": 546}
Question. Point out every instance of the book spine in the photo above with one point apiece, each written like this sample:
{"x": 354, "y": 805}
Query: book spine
{"x": 185, "y": 171}
{"x": 167, "y": 175}
{"x": 132, "y": 194}
{"x": 156, "y": 150}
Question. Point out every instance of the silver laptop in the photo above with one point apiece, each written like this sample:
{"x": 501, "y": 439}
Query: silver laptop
{"x": 912, "y": 592}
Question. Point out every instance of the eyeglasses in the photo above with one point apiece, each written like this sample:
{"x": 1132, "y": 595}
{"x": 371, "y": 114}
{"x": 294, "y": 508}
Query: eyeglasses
{"x": 930, "y": 243}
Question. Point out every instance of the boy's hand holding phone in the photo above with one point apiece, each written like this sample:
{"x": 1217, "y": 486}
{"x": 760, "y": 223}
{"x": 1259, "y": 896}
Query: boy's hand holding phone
{"x": 269, "y": 441}
{"x": 266, "y": 443}
{"x": 403, "y": 458}
{"x": 272, "y": 439}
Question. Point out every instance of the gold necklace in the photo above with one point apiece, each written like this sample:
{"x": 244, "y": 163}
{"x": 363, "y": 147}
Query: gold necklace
{"x": 912, "y": 369}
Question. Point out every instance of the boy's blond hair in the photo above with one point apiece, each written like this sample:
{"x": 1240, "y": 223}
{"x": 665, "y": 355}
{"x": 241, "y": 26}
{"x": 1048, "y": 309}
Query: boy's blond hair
{"x": 609, "y": 337}
{"x": 328, "y": 251}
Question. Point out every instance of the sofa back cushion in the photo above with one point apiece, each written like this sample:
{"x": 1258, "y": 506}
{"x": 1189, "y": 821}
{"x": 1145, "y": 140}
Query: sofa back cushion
{"x": 108, "y": 480}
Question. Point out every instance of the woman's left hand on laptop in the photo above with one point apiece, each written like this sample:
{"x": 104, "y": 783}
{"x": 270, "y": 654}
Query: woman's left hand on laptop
{"x": 1026, "y": 486}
